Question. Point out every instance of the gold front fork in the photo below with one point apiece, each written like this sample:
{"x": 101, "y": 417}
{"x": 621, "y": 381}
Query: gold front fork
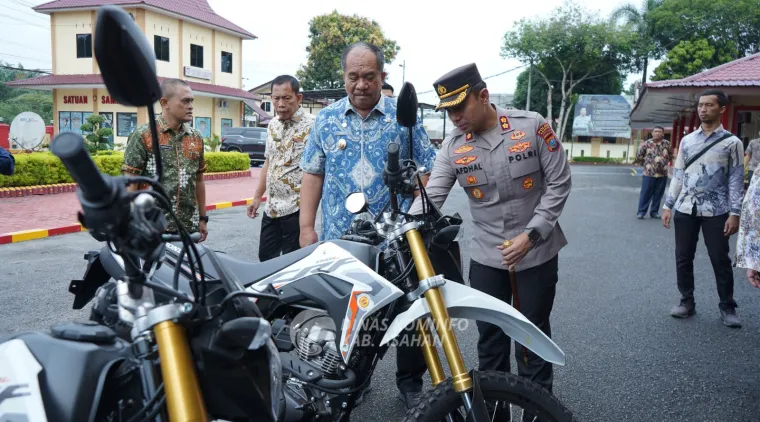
{"x": 440, "y": 316}
{"x": 183, "y": 393}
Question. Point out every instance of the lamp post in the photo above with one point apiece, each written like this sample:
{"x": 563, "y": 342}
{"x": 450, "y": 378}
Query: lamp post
{"x": 403, "y": 72}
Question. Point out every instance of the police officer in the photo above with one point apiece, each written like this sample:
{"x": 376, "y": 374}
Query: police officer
{"x": 517, "y": 178}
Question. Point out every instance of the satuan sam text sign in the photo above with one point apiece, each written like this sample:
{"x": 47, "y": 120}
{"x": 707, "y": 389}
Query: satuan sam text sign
{"x": 602, "y": 116}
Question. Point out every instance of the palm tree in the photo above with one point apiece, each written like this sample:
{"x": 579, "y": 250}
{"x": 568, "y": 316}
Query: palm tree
{"x": 640, "y": 20}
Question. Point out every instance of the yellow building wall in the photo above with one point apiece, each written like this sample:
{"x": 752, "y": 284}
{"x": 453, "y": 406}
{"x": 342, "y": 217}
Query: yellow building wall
{"x": 67, "y": 26}
{"x": 106, "y": 105}
{"x": 230, "y": 44}
{"x": 198, "y": 35}
{"x": 164, "y": 26}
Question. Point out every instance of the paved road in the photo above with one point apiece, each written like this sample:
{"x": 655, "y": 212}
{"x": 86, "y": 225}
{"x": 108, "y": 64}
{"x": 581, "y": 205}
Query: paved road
{"x": 627, "y": 360}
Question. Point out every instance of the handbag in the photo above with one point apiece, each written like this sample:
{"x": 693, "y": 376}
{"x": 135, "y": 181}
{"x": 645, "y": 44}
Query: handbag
{"x": 696, "y": 157}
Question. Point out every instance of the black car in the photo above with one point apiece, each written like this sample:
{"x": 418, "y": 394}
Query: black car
{"x": 251, "y": 140}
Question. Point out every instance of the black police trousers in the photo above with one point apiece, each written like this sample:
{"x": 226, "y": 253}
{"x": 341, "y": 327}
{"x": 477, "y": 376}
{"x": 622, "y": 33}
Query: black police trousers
{"x": 410, "y": 362}
{"x": 278, "y": 235}
{"x": 536, "y": 288}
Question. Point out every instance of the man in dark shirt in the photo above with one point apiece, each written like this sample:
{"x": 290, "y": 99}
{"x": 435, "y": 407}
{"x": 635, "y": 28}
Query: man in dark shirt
{"x": 654, "y": 155}
{"x": 7, "y": 162}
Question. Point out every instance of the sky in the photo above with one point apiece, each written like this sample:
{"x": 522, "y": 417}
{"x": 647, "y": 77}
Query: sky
{"x": 433, "y": 39}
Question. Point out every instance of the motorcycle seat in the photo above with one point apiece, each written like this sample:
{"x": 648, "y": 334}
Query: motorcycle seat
{"x": 250, "y": 272}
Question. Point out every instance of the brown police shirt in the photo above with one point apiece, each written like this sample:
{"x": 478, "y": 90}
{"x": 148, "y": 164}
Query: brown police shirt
{"x": 516, "y": 176}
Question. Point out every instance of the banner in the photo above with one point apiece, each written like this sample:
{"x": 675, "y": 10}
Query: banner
{"x": 603, "y": 116}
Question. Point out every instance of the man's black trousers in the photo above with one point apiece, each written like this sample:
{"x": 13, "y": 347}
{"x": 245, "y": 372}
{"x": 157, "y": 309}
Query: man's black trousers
{"x": 687, "y": 228}
{"x": 278, "y": 235}
{"x": 536, "y": 288}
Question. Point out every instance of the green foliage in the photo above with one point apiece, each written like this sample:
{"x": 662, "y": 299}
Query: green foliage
{"x": 98, "y": 138}
{"x": 44, "y": 168}
{"x": 709, "y": 32}
{"x": 329, "y": 35}
{"x": 14, "y": 101}
{"x": 218, "y": 162}
{"x": 212, "y": 143}
{"x": 599, "y": 160}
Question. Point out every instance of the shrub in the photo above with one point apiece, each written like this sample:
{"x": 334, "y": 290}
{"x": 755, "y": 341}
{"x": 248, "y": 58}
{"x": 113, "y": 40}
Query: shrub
{"x": 597, "y": 160}
{"x": 44, "y": 168}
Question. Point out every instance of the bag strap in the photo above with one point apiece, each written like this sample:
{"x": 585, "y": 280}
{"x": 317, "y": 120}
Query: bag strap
{"x": 696, "y": 157}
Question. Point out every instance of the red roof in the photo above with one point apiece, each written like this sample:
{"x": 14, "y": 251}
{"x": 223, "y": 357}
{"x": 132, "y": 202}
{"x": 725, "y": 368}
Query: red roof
{"x": 93, "y": 79}
{"x": 741, "y": 72}
{"x": 194, "y": 9}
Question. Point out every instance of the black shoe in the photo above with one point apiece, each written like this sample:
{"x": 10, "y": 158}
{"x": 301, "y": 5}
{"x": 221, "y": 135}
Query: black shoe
{"x": 410, "y": 398}
{"x": 655, "y": 215}
{"x": 730, "y": 319}
{"x": 683, "y": 310}
{"x": 640, "y": 216}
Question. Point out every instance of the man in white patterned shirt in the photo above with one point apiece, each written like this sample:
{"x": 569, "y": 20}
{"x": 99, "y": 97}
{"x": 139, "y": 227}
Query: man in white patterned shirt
{"x": 281, "y": 173}
{"x": 706, "y": 192}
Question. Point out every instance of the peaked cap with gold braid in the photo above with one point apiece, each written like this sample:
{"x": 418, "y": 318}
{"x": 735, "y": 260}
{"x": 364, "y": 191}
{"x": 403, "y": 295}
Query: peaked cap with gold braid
{"x": 453, "y": 87}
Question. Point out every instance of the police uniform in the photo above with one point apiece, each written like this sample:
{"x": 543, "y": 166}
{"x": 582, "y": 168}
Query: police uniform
{"x": 517, "y": 178}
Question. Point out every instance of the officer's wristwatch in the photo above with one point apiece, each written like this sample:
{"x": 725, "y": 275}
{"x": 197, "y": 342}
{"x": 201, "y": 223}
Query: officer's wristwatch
{"x": 533, "y": 235}
{"x": 203, "y": 218}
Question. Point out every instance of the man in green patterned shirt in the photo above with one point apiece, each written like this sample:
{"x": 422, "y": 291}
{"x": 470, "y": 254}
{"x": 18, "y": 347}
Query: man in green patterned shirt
{"x": 181, "y": 155}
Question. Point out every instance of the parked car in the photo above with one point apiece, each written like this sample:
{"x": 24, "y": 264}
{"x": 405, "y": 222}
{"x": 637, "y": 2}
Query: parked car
{"x": 251, "y": 140}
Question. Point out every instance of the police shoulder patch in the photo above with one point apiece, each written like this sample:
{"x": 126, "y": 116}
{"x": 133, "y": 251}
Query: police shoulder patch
{"x": 546, "y": 132}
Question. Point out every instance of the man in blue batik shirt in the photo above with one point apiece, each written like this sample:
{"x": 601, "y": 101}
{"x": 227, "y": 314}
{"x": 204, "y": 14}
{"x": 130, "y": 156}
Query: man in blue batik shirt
{"x": 346, "y": 153}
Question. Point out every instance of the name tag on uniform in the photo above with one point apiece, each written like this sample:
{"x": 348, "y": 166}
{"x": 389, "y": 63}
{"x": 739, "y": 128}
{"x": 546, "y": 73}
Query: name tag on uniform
{"x": 165, "y": 147}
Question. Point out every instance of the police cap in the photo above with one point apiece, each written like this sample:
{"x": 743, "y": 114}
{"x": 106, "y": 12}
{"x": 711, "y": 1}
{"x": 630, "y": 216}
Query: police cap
{"x": 453, "y": 87}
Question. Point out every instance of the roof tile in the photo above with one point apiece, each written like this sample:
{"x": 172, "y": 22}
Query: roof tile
{"x": 741, "y": 72}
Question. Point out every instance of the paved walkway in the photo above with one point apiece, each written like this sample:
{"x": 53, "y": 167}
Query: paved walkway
{"x": 50, "y": 211}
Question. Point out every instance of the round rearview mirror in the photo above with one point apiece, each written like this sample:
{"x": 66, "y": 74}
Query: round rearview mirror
{"x": 356, "y": 202}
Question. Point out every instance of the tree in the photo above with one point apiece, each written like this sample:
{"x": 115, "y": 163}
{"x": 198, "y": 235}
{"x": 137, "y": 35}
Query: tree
{"x": 640, "y": 20}
{"x": 709, "y": 32}
{"x": 631, "y": 89}
{"x": 14, "y": 101}
{"x": 329, "y": 35}
{"x": 98, "y": 138}
{"x": 576, "y": 45}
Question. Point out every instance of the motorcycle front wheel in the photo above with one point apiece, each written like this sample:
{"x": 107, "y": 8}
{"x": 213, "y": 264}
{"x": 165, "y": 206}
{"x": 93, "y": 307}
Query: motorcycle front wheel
{"x": 500, "y": 391}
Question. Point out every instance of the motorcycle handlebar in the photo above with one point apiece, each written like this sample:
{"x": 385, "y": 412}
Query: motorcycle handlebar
{"x": 95, "y": 189}
{"x": 393, "y": 165}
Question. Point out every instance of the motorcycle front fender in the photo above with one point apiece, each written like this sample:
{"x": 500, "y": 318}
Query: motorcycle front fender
{"x": 467, "y": 303}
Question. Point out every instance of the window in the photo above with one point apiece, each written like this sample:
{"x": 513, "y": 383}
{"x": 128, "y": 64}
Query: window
{"x": 266, "y": 106}
{"x": 226, "y": 62}
{"x": 84, "y": 46}
{"x": 161, "y": 46}
{"x": 125, "y": 123}
{"x": 196, "y": 55}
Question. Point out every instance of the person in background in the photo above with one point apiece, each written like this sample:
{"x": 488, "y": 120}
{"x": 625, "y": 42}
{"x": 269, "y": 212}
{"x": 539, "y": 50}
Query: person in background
{"x": 182, "y": 157}
{"x": 346, "y": 153}
{"x": 387, "y": 89}
{"x": 751, "y": 160}
{"x": 706, "y": 193}
{"x": 654, "y": 155}
{"x": 280, "y": 176}
{"x": 7, "y": 162}
{"x": 748, "y": 238}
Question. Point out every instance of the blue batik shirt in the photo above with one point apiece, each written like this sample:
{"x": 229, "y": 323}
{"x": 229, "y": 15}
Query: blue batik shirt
{"x": 359, "y": 165}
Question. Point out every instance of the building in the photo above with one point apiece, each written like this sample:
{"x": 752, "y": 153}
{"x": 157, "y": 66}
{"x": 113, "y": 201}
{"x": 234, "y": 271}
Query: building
{"x": 675, "y": 100}
{"x": 190, "y": 41}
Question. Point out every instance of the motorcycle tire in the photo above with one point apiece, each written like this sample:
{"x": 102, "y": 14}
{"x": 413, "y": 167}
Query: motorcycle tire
{"x": 495, "y": 386}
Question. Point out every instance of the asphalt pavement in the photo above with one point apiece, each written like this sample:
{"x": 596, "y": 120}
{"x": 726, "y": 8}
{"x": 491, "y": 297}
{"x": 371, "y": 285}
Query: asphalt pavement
{"x": 627, "y": 359}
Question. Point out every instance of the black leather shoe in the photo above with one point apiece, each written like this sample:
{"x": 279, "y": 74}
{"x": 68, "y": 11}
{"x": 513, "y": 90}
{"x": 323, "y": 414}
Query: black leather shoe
{"x": 655, "y": 215}
{"x": 410, "y": 398}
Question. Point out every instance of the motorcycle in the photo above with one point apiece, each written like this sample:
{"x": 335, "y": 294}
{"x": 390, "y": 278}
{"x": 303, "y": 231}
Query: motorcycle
{"x": 209, "y": 357}
{"x": 329, "y": 305}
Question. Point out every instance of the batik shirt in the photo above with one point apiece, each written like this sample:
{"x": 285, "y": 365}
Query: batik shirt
{"x": 183, "y": 160}
{"x": 285, "y": 144}
{"x": 748, "y": 238}
{"x": 753, "y": 149}
{"x": 654, "y": 156}
{"x": 715, "y": 182}
{"x": 351, "y": 152}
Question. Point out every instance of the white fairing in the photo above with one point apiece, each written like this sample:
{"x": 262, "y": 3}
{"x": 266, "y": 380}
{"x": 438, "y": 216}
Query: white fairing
{"x": 20, "y": 397}
{"x": 467, "y": 303}
{"x": 370, "y": 291}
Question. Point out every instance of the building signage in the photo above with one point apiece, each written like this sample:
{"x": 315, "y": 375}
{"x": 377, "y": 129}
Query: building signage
{"x": 75, "y": 99}
{"x": 602, "y": 116}
{"x": 196, "y": 72}
{"x": 107, "y": 99}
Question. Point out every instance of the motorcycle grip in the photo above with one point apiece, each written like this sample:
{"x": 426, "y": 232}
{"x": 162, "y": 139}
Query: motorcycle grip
{"x": 393, "y": 165}
{"x": 70, "y": 149}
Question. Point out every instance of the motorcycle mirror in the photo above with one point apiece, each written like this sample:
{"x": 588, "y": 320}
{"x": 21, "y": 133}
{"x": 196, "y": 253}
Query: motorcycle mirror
{"x": 125, "y": 58}
{"x": 357, "y": 202}
{"x": 406, "y": 110}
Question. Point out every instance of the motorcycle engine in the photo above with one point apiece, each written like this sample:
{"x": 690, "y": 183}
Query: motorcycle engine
{"x": 314, "y": 336}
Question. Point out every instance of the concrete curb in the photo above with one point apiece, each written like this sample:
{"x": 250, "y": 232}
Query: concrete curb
{"x": 22, "y": 191}
{"x": 32, "y": 234}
